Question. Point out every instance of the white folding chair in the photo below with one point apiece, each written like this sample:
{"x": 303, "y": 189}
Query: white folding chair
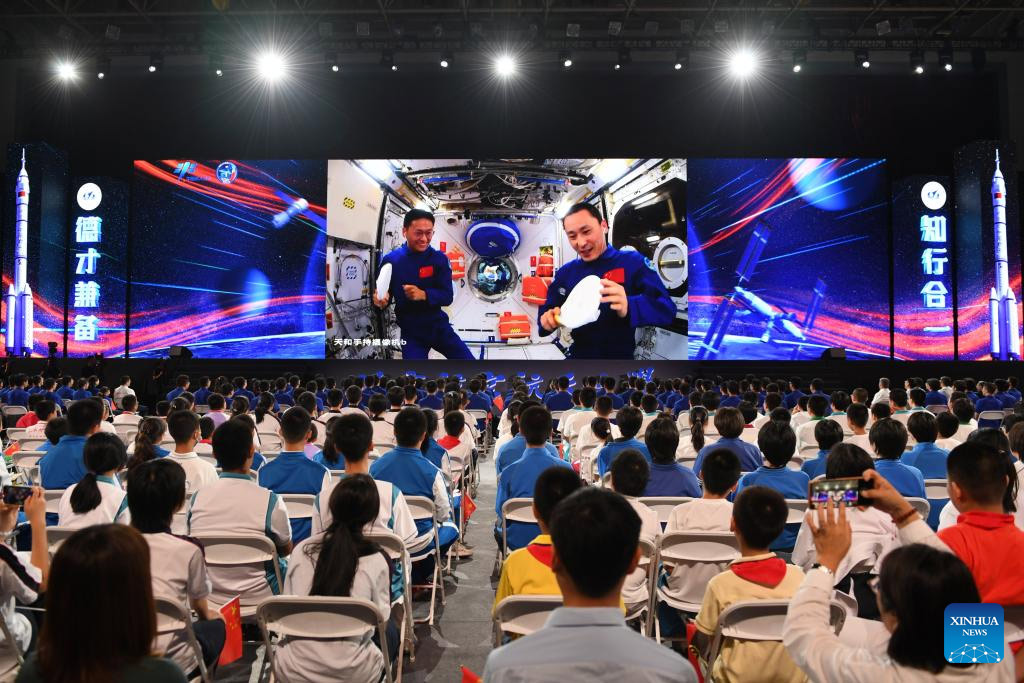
{"x": 396, "y": 550}
{"x": 234, "y": 550}
{"x": 270, "y": 442}
{"x": 922, "y": 506}
{"x": 664, "y": 505}
{"x": 938, "y": 408}
{"x": 268, "y": 427}
{"x": 27, "y": 462}
{"x": 383, "y": 447}
{"x": 11, "y": 654}
{"x": 52, "y": 498}
{"x": 55, "y": 536}
{"x": 173, "y": 617}
{"x": 523, "y": 614}
{"x": 807, "y": 452}
{"x": 797, "y": 509}
{"x": 514, "y": 510}
{"x": 701, "y": 556}
{"x": 647, "y": 549}
{"x": 990, "y": 416}
{"x": 320, "y": 618}
{"x": 935, "y": 489}
{"x": 299, "y": 505}
{"x": 758, "y": 620}
{"x": 15, "y": 433}
{"x": 29, "y": 444}
{"x": 123, "y": 430}
{"x": 422, "y": 507}
{"x": 129, "y": 435}
{"x": 202, "y": 409}
{"x": 12, "y": 414}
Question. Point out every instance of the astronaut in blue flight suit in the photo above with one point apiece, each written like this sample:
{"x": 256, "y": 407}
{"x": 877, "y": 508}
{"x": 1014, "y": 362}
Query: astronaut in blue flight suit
{"x": 421, "y": 283}
{"x": 632, "y": 295}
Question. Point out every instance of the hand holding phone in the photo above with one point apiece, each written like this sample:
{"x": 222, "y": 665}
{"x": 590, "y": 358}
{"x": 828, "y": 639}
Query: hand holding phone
{"x": 16, "y": 495}
{"x": 848, "y": 490}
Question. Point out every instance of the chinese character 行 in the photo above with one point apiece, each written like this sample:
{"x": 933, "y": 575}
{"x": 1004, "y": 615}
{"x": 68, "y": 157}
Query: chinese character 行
{"x": 934, "y": 294}
{"x": 85, "y": 327}
{"x": 933, "y": 261}
{"x": 88, "y": 229}
{"x": 933, "y": 228}
{"x": 87, "y": 262}
{"x": 87, "y": 294}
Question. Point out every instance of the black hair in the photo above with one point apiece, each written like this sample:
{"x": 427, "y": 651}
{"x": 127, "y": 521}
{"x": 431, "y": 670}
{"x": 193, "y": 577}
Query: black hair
{"x": 102, "y": 452}
{"x": 630, "y": 472}
{"x": 922, "y": 426}
{"x": 629, "y": 420}
{"x": 827, "y": 433}
{"x": 239, "y": 405}
{"x": 584, "y": 206}
{"x": 889, "y": 438}
{"x": 840, "y": 400}
{"x": 898, "y": 397}
{"x": 354, "y": 503}
{"x": 351, "y": 435}
{"x": 777, "y": 442}
{"x": 857, "y": 415}
{"x": 215, "y": 401}
{"x": 720, "y": 470}
{"x": 264, "y": 405}
{"x": 780, "y": 414}
{"x": 56, "y": 428}
{"x": 947, "y": 424}
{"x": 150, "y": 432}
{"x": 377, "y": 404}
{"x": 662, "y": 440}
{"x": 595, "y": 534}
{"x": 431, "y": 417}
{"x": 535, "y": 425}
{"x": 847, "y": 460}
{"x": 817, "y": 404}
{"x": 710, "y": 400}
{"x": 232, "y": 443}
{"x": 182, "y": 425}
{"x": 295, "y": 424}
{"x": 129, "y": 402}
{"x": 415, "y": 215}
{"x": 979, "y": 474}
{"x": 454, "y": 423}
{"x": 551, "y": 487}
{"x": 410, "y": 427}
{"x": 307, "y": 400}
{"x": 601, "y": 427}
{"x": 44, "y": 408}
{"x": 915, "y": 584}
{"x": 917, "y": 396}
{"x": 156, "y": 490}
{"x": 83, "y": 416}
{"x": 698, "y": 423}
{"x": 760, "y": 515}
{"x": 880, "y": 411}
{"x": 729, "y": 422}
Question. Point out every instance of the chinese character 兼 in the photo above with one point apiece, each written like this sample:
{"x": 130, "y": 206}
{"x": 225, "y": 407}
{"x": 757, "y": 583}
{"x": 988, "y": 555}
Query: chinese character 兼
{"x": 87, "y": 294}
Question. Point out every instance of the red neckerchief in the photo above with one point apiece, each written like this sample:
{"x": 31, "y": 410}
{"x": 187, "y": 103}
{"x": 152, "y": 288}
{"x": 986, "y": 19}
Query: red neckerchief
{"x": 985, "y": 520}
{"x": 768, "y": 572}
{"x": 541, "y": 552}
{"x": 448, "y": 441}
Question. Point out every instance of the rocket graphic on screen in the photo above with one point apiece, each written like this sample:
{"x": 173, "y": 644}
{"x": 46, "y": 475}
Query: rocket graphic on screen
{"x": 19, "y": 295}
{"x": 1002, "y": 305}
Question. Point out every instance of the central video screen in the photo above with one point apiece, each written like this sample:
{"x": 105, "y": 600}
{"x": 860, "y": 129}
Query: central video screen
{"x": 533, "y": 259}
{"x": 788, "y": 258}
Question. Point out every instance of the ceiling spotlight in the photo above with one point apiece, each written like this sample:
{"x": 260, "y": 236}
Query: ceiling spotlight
{"x": 156, "y": 62}
{"x": 860, "y": 58}
{"x": 743, "y": 63}
{"x": 66, "y": 71}
{"x": 946, "y": 58}
{"x": 446, "y": 59}
{"x": 682, "y": 60}
{"x": 566, "y": 59}
{"x": 799, "y": 60}
{"x": 331, "y": 60}
{"x": 102, "y": 67}
{"x": 505, "y": 66}
{"x": 917, "y": 62}
{"x": 624, "y": 58}
{"x": 270, "y": 66}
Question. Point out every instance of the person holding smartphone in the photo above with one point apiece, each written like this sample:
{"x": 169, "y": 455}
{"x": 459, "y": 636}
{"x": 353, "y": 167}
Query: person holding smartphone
{"x": 23, "y": 576}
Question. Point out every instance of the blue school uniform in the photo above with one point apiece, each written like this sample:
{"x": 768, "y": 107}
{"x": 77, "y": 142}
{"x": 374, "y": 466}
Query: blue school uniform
{"x": 928, "y": 458}
{"x": 611, "y": 336}
{"x": 202, "y": 395}
{"x": 293, "y": 472}
{"x": 414, "y": 475}
{"x": 559, "y": 400}
{"x": 935, "y": 398}
{"x": 907, "y": 480}
{"x": 791, "y": 484}
{"x": 513, "y": 450}
{"x": 423, "y": 324}
{"x": 17, "y": 397}
{"x": 518, "y": 481}
{"x": 748, "y": 453}
{"x": 729, "y": 402}
{"x": 815, "y": 467}
{"x": 432, "y": 401}
{"x": 63, "y": 465}
{"x": 672, "y": 479}
{"x": 171, "y": 395}
{"x": 613, "y": 448}
{"x": 792, "y": 398}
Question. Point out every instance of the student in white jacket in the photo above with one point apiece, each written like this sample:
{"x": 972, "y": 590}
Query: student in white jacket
{"x": 916, "y": 583}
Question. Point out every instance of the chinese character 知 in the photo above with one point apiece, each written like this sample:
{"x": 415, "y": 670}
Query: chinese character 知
{"x": 933, "y": 228}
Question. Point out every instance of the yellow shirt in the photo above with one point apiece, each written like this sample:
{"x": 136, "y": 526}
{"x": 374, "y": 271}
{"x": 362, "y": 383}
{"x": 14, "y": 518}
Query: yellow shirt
{"x": 524, "y": 574}
{"x": 749, "y": 661}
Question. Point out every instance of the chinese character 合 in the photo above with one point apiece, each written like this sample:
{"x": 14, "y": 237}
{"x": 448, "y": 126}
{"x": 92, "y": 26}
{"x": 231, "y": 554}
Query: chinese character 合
{"x": 88, "y": 229}
{"x": 933, "y": 228}
{"x": 85, "y": 327}
{"x": 934, "y": 294}
{"x": 933, "y": 261}
{"x": 87, "y": 262}
{"x": 87, "y": 294}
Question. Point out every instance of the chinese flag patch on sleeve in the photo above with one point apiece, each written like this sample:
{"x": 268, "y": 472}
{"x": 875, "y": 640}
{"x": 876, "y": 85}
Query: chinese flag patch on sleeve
{"x": 426, "y": 271}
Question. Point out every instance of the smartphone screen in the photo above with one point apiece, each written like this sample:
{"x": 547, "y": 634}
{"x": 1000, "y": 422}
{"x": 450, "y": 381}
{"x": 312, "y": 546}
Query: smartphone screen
{"x": 16, "y": 495}
{"x": 844, "y": 490}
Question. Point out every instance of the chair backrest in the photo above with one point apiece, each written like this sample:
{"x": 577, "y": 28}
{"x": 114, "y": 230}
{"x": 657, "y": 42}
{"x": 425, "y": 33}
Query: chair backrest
{"x": 938, "y": 408}
{"x": 231, "y": 550}
{"x": 700, "y": 555}
{"x": 268, "y": 427}
{"x": 921, "y": 505}
{"x": 524, "y": 614}
{"x": 477, "y": 414}
{"x": 55, "y": 535}
{"x": 299, "y": 505}
{"x": 27, "y": 458}
{"x": 202, "y": 409}
{"x": 270, "y": 442}
{"x": 797, "y": 508}
{"x": 52, "y": 498}
{"x": 935, "y": 489}
{"x": 664, "y": 505}
{"x": 518, "y": 510}
{"x": 320, "y": 618}
{"x": 991, "y": 416}
{"x": 15, "y": 433}
{"x": 808, "y": 451}
{"x": 420, "y": 507}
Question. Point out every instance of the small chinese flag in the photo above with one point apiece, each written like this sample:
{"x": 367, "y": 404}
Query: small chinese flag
{"x": 470, "y": 506}
{"x": 470, "y": 677}
{"x": 13, "y": 448}
{"x": 233, "y": 632}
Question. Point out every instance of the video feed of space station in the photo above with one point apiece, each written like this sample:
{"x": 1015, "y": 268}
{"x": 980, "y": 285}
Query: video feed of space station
{"x": 498, "y": 224}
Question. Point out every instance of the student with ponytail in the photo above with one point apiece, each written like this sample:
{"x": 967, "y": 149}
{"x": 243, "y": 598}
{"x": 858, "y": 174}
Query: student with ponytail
{"x": 98, "y": 498}
{"x": 147, "y": 441}
{"x": 341, "y": 562}
{"x": 690, "y": 447}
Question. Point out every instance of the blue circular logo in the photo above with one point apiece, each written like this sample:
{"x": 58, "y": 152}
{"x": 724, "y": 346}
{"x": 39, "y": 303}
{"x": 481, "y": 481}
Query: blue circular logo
{"x": 227, "y": 172}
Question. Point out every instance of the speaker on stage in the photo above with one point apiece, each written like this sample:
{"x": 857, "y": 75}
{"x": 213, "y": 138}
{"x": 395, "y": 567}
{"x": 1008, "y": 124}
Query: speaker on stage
{"x": 834, "y": 353}
{"x": 179, "y": 352}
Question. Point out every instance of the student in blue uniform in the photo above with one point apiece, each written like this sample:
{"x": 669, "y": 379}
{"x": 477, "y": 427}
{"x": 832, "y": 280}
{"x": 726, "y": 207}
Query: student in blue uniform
{"x": 421, "y": 283}
{"x": 182, "y": 386}
{"x": 889, "y": 440}
{"x": 63, "y": 465}
{"x": 935, "y": 397}
{"x": 561, "y": 399}
{"x": 632, "y": 295}
{"x": 925, "y": 456}
{"x": 777, "y": 442}
{"x": 629, "y": 421}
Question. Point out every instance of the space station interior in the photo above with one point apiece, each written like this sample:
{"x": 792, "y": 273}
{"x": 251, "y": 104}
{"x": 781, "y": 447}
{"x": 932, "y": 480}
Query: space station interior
{"x": 499, "y": 223}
